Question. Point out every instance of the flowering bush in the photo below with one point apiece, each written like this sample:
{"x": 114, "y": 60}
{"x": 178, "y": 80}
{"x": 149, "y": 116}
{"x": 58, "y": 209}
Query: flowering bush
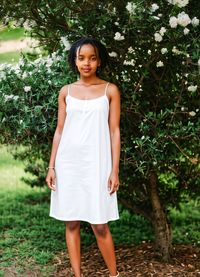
{"x": 28, "y": 104}
{"x": 154, "y": 52}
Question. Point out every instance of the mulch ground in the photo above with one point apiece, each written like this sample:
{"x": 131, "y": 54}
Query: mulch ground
{"x": 134, "y": 261}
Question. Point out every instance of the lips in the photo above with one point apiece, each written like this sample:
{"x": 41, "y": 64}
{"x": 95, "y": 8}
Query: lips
{"x": 86, "y": 69}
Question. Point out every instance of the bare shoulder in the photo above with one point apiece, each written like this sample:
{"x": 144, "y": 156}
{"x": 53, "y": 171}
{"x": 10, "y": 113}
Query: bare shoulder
{"x": 63, "y": 92}
{"x": 113, "y": 91}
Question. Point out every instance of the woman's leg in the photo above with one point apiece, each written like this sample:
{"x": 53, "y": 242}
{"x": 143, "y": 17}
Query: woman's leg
{"x": 106, "y": 246}
{"x": 73, "y": 245}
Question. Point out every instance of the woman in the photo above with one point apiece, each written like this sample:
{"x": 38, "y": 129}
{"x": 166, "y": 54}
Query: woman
{"x": 83, "y": 171}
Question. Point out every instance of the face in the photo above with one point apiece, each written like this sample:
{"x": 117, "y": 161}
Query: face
{"x": 87, "y": 60}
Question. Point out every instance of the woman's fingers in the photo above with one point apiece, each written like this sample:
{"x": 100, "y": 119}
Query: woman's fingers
{"x": 52, "y": 185}
{"x": 50, "y": 180}
{"x": 112, "y": 186}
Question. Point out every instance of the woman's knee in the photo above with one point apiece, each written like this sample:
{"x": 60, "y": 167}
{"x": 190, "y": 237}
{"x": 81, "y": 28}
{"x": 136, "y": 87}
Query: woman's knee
{"x": 72, "y": 225}
{"x": 100, "y": 229}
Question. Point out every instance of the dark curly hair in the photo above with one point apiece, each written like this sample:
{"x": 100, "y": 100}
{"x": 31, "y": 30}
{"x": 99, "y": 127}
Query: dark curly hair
{"x": 98, "y": 46}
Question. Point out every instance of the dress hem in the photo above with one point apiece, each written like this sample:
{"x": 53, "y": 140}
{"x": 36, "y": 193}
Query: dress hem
{"x": 85, "y": 220}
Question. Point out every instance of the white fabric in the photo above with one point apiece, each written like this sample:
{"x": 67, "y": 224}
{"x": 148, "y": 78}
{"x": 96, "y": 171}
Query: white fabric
{"x": 83, "y": 164}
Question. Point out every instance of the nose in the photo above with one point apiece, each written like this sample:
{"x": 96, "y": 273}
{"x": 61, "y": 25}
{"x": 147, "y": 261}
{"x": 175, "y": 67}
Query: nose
{"x": 87, "y": 61}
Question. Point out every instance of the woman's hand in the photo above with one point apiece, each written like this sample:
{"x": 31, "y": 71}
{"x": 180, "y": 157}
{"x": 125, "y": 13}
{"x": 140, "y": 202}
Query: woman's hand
{"x": 113, "y": 182}
{"x": 51, "y": 178}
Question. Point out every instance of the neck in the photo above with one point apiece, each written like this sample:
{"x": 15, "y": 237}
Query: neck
{"x": 88, "y": 80}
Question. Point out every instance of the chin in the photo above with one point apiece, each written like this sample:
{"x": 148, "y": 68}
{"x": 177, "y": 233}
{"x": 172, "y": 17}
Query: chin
{"x": 88, "y": 74}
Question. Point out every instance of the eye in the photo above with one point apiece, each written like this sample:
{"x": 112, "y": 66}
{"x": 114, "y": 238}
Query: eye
{"x": 93, "y": 58}
{"x": 80, "y": 58}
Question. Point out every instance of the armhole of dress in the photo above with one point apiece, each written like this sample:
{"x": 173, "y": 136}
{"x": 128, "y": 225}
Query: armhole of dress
{"x": 67, "y": 94}
{"x": 106, "y": 89}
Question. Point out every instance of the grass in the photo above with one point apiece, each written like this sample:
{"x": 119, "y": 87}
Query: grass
{"x": 30, "y": 239}
{"x": 11, "y": 34}
{"x": 7, "y": 34}
{"x": 9, "y": 57}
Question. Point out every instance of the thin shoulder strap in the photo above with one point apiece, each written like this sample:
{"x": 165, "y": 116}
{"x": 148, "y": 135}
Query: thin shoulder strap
{"x": 106, "y": 88}
{"x": 68, "y": 90}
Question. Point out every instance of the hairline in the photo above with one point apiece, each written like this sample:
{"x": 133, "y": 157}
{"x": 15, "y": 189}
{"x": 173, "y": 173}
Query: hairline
{"x": 96, "y": 50}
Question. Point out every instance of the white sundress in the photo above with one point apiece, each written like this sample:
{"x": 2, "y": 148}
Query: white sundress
{"x": 83, "y": 164}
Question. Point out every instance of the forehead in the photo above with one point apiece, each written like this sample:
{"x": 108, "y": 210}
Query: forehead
{"x": 87, "y": 49}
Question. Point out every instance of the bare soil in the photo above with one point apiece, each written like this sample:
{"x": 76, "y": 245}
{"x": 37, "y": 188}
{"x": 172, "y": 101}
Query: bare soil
{"x": 14, "y": 45}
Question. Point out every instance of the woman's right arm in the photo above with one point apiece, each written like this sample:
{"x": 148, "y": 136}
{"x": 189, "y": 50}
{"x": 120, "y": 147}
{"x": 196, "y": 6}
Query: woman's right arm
{"x": 50, "y": 179}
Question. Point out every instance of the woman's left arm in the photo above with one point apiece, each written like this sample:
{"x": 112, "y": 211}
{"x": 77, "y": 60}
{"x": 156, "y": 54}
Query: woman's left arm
{"x": 114, "y": 126}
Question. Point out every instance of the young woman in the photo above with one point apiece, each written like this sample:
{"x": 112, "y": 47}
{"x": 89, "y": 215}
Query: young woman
{"x": 83, "y": 171}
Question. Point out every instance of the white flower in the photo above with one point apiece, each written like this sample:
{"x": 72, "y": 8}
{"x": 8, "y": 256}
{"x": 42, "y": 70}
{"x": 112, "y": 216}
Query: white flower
{"x": 182, "y": 3}
{"x": 65, "y": 43}
{"x": 164, "y": 50}
{"x": 26, "y": 25}
{"x": 179, "y": 3}
{"x": 162, "y": 31}
{"x": 183, "y": 19}
{"x": 192, "y": 113}
{"x": 192, "y": 88}
{"x": 173, "y": 22}
{"x": 11, "y": 97}
{"x": 116, "y": 23}
{"x": 143, "y": 137}
{"x": 154, "y": 7}
{"x": 186, "y": 31}
{"x": 157, "y": 37}
{"x": 131, "y": 62}
{"x": 131, "y": 7}
{"x": 49, "y": 82}
{"x": 131, "y": 50}
{"x": 195, "y": 21}
{"x": 198, "y": 62}
{"x": 156, "y": 17}
{"x": 21, "y": 62}
{"x": 49, "y": 62}
{"x": 24, "y": 75}
{"x": 176, "y": 51}
{"x": 118, "y": 36}
{"x": 27, "y": 88}
{"x": 114, "y": 11}
{"x": 113, "y": 54}
{"x": 149, "y": 52}
{"x": 159, "y": 64}
{"x": 2, "y": 75}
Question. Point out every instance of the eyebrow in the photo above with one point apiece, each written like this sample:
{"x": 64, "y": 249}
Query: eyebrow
{"x": 81, "y": 55}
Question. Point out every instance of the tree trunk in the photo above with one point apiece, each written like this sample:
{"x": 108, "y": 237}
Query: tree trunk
{"x": 162, "y": 228}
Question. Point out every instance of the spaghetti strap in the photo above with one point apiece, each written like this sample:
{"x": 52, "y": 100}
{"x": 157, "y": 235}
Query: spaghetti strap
{"x": 68, "y": 89}
{"x": 106, "y": 88}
